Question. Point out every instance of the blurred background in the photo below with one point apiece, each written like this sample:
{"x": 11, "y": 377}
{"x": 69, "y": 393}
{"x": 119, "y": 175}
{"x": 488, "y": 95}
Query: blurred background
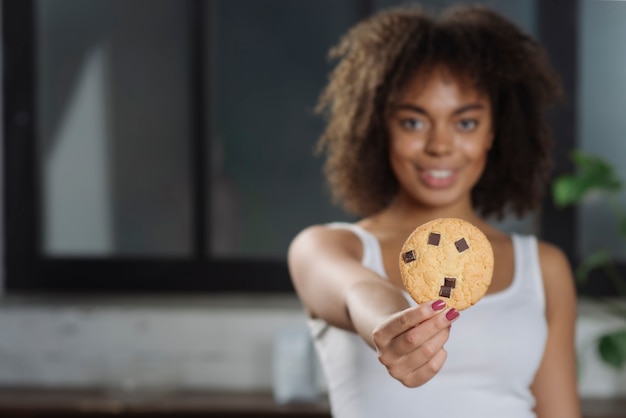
{"x": 159, "y": 157}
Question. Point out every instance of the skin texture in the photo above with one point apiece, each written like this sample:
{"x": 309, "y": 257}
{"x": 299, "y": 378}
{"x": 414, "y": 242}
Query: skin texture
{"x": 439, "y": 123}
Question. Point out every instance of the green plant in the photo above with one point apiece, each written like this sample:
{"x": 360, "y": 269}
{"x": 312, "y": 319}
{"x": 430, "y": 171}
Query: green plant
{"x": 595, "y": 176}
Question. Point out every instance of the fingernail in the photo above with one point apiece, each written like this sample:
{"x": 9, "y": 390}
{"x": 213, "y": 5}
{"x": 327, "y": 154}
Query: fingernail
{"x": 438, "y": 305}
{"x": 452, "y": 314}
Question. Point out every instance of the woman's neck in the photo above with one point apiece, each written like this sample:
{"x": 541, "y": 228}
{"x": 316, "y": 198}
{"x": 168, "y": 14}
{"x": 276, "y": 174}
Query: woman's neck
{"x": 407, "y": 213}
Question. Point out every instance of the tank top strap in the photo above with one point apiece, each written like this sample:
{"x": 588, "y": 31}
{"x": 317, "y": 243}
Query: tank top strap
{"x": 527, "y": 265}
{"x": 372, "y": 254}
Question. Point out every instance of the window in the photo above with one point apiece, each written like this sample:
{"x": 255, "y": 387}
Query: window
{"x": 172, "y": 150}
{"x": 156, "y": 151}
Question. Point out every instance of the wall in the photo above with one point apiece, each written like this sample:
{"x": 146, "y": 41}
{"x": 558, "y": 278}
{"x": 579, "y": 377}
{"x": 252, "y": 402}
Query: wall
{"x": 197, "y": 342}
{"x": 143, "y": 342}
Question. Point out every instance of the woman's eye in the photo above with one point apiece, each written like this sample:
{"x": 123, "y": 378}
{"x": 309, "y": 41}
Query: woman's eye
{"x": 413, "y": 124}
{"x": 467, "y": 125}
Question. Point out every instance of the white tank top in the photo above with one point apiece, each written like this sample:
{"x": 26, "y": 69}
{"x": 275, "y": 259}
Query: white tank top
{"x": 494, "y": 351}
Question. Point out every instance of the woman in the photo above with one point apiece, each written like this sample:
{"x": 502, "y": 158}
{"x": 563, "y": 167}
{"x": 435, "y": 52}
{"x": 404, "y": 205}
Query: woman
{"x": 431, "y": 118}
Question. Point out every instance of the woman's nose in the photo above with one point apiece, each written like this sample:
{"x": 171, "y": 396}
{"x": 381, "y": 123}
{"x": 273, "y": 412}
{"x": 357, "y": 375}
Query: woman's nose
{"x": 439, "y": 142}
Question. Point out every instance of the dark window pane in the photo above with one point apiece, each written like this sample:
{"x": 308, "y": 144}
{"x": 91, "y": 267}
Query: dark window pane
{"x": 268, "y": 68}
{"x": 113, "y": 106}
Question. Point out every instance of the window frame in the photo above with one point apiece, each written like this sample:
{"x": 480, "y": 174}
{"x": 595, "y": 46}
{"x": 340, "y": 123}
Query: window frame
{"x": 28, "y": 270}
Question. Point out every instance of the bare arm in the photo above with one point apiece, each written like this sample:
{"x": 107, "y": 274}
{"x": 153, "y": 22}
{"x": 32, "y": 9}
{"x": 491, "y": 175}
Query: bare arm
{"x": 328, "y": 276}
{"x": 555, "y": 383}
{"x": 333, "y": 285}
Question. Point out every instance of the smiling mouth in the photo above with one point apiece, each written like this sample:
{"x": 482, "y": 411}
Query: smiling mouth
{"x": 439, "y": 174}
{"x": 438, "y": 178}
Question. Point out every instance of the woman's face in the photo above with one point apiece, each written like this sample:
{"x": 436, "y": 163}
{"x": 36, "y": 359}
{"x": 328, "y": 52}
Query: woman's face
{"x": 440, "y": 131}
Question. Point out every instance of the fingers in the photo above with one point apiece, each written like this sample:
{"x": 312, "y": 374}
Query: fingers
{"x": 410, "y": 343}
{"x": 404, "y": 320}
{"x": 426, "y": 372}
{"x": 420, "y": 361}
{"x": 416, "y": 336}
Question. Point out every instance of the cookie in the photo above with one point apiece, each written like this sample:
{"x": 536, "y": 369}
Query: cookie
{"x": 448, "y": 259}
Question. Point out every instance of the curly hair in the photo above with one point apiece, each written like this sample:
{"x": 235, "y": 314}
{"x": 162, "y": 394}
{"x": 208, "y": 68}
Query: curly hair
{"x": 378, "y": 56}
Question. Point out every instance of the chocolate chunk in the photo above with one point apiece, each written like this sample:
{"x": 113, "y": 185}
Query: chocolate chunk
{"x": 409, "y": 256}
{"x": 433, "y": 238}
{"x": 450, "y": 282}
{"x": 445, "y": 291}
{"x": 461, "y": 245}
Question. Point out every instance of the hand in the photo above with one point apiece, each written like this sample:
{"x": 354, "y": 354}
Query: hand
{"x": 410, "y": 342}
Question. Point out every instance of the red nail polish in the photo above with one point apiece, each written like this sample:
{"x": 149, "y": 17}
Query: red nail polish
{"x": 452, "y": 314}
{"x": 438, "y": 305}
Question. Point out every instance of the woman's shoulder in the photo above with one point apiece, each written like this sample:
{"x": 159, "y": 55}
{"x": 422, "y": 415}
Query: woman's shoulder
{"x": 554, "y": 262}
{"x": 557, "y": 278}
{"x": 323, "y": 237}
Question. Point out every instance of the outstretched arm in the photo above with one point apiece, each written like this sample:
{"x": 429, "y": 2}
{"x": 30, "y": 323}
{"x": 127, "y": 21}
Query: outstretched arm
{"x": 333, "y": 285}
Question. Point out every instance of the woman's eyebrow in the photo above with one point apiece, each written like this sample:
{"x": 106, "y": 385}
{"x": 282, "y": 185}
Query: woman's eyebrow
{"x": 412, "y": 108}
{"x": 471, "y": 106}
{"x": 418, "y": 109}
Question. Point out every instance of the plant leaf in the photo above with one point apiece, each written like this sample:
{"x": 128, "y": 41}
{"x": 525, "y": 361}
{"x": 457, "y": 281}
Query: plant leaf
{"x": 596, "y": 171}
{"x": 567, "y": 190}
{"x": 596, "y": 259}
{"x": 612, "y": 348}
{"x": 592, "y": 174}
{"x": 591, "y": 164}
